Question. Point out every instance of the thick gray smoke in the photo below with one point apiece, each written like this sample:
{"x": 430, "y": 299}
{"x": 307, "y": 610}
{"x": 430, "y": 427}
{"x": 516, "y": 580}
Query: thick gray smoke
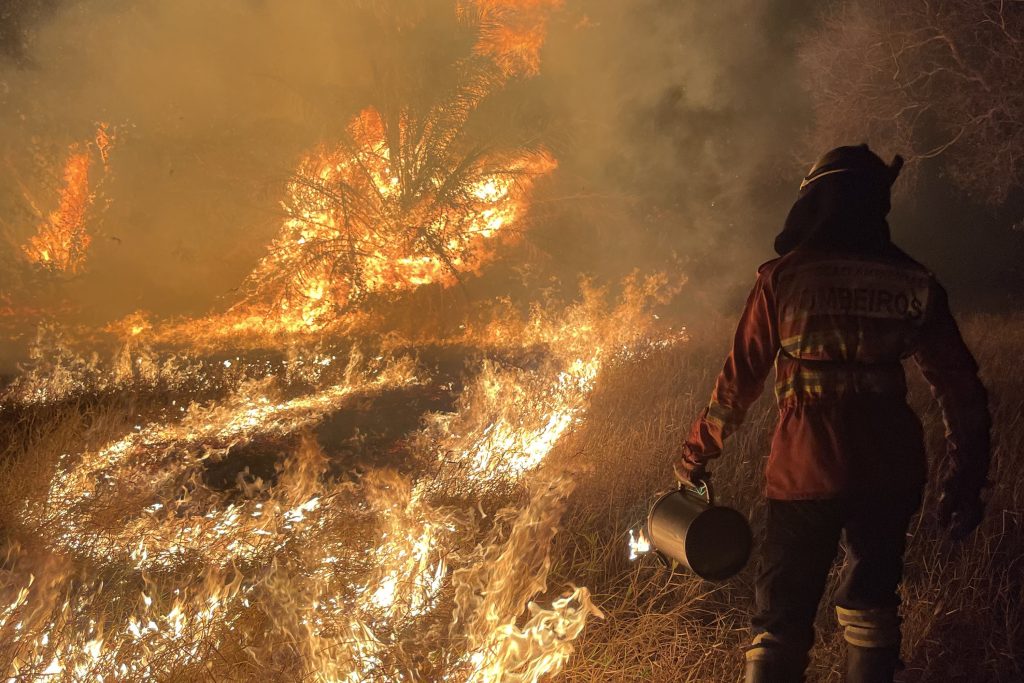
{"x": 673, "y": 124}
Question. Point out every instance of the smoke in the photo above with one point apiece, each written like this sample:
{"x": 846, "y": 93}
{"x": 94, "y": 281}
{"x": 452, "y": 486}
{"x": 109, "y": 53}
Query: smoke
{"x": 685, "y": 117}
{"x": 673, "y": 124}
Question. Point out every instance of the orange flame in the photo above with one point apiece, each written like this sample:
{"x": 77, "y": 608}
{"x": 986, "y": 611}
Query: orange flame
{"x": 315, "y": 576}
{"x": 104, "y": 141}
{"x": 354, "y": 575}
{"x": 62, "y": 241}
{"x": 362, "y": 221}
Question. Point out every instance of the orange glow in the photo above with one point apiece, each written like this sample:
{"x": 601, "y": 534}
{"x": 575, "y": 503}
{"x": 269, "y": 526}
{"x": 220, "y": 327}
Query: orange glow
{"x": 512, "y": 32}
{"x": 104, "y": 141}
{"x": 61, "y": 242}
{"x": 341, "y": 569}
{"x": 364, "y": 218}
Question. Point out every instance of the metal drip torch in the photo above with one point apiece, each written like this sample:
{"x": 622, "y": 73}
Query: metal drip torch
{"x": 685, "y": 525}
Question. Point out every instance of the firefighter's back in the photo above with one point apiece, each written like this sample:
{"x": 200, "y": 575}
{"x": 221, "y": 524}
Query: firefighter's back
{"x": 845, "y": 322}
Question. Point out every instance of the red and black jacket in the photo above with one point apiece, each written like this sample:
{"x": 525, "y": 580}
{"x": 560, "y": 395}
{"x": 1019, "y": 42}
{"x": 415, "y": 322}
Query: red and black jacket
{"x": 837, "y": 327}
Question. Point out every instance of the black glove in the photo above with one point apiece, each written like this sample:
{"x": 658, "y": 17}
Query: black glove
{"x": 694, "y": 477}
{"x": 961, "y": 509}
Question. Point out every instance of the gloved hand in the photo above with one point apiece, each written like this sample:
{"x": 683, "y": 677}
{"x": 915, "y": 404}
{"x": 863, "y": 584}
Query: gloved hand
{"x": 961, "y": 509}
{"x": 688, "y": 471}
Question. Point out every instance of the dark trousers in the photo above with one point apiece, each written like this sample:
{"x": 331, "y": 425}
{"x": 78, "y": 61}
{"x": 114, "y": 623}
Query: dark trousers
{"x": 801, "y": 542}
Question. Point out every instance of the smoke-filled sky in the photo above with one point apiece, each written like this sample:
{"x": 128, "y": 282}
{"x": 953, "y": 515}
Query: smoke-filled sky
{"x": 677, "y": 126}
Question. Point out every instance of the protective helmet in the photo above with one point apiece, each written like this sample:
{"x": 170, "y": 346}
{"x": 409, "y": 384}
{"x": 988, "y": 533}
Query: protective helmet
{"x": 842, "y": 204}
{"x": 858, "y": 160}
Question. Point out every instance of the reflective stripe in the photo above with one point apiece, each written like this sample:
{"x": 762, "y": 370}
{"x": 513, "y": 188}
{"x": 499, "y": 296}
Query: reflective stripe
{"x": 879, "y": 616}
{"x": 815, "y": 343}
{"x": 811, "y": 178}
{"x": 868, "y": 637}
{"x": 764, "y": 646}
{"x": 760, "y": 653}
{"x": 723, "y": 415}
{"x": 870, "y": 627}
{"x": 767, "y": 647}
{"x": 823, "y": 383}
{"x": 868, "y": 344}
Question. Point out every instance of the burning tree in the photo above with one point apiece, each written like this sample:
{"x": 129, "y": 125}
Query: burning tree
{"x": 410, "y": 196}
{"x": 511, "y": 32}
{"x": 926, "y": 80}
{"x": 402, "y": 202}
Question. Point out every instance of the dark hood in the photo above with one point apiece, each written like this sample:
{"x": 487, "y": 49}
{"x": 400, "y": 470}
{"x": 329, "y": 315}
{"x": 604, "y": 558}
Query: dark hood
{"x": 842, "y": 205}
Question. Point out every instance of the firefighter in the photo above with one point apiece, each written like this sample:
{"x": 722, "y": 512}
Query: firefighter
{"x": 837, "y": 314}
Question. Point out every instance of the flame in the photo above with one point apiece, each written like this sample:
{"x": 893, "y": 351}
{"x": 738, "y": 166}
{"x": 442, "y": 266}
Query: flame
{"x": 61, "y": 242}
{"x": 158, "y": 456}
{"x": 638, "y": 543}
{"x": 495, "y": 439}
{"x": 489, "y": 595}
{"x": 354, "y": 576}
{"x": 364, "y": 219}
{"x": 104, "y": 141}
{"x": 435, "y": 566}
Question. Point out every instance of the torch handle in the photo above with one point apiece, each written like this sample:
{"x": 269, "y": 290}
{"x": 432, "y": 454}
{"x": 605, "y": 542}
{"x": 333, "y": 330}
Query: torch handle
{"x": 700, "y": 488}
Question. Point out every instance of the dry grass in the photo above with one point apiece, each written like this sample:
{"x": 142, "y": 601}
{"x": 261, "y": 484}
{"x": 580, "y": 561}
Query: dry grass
{"x": 964, "y": 604}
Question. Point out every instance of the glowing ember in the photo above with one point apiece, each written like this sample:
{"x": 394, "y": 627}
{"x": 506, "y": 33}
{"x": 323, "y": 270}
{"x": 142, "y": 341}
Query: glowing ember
{"x": 104, "y": 141}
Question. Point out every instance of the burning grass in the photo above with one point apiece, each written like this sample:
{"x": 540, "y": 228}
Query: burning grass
{"x": 484, "y": 548}
{"x": 62, "y": 240}
{"x": 430, "y": 563}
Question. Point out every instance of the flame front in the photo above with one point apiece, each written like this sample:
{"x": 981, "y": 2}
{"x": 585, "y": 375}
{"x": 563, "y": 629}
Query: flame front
{"x": 146, "y": 568}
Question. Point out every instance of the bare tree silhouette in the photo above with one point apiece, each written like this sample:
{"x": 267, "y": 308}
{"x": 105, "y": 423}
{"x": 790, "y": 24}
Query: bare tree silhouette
{"x": 925, "y": 79}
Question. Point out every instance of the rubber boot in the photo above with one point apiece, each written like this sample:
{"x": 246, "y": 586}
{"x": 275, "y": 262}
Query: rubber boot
{"x": 871, "y": 664}
{"x": 772, "y": 671}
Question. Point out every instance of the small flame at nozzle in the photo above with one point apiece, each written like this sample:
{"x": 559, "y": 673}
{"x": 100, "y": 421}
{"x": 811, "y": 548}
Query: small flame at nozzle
{"x": 638, "y": 543}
